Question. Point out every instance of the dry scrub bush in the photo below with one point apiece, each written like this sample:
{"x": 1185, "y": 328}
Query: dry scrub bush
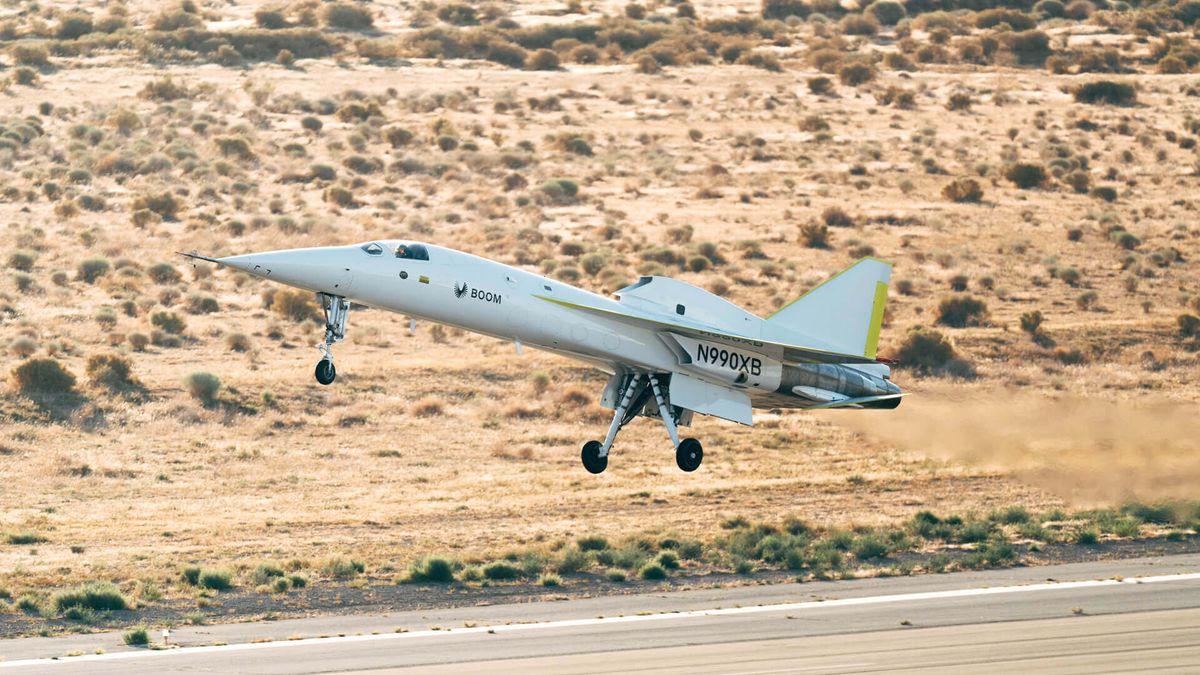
{"x": 296, "y": 306}
{"x": 42, "y": 376}
{"x": 960, "y": 311}
{"x": 346, "y": 16}
{"x": 1025, "y": 176}
{"x": 963, "y": 190}
{"x": 165, "y": 204}
{"x": 928, "y": 352}
{"x": 428, "y": 407}
{"x": 203, "y": 387}
{"x": 1107, "y": 92}
{"x": 111, "y": 371}
{"x": 164, "y": 89}
{"x": 856, "y": 73}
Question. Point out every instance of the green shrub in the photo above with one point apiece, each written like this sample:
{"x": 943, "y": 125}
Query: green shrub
{"x": 265, "y": 572}
{"x": 92, "y": 269}
{"x": 137, "y": 636}
{"x": 560, "y": 190}
{"x": 1087, "y": 537}
{"x": 1013, "y": 515}
{"x": 432, "y": 569}
{"x": 43, "y": 376}
{"x": 652, "y": 571}
{"x": 234, "y": 146}
{"x": 782, "y": 9}
{"x": 98, "y": 596}
{"x": 592, "y": 543}
{"x": 24, "y": 538}
{"x": 1025, "y": 176}
{"x": 1189, "y": 325}
{"x": 346, "y": 16}
{"x": 73, "y": 25}
{"x": 169, "y": 322}
{"x": 25, "y": 76}
{"x": 1049, "y": 8}
{"x": 112, "y": 371}
{"x": 615, "y": 575}
{"x": 164, "y": 273}
{"x": 191, "y": 575}
{"x": 668, "y": 560}
{"x": 1124, "y": 239}
{"x": 814, "y": 235}
{"x": 203, "y": 386}
{"x": 869, "y": 546}
{"x": 1107, "y": 92}
{"x": 500, "y": 570}
{"x": 963, "y": 190}
{"x": 959, "y": 311}
{"x": 397, "y": 136}
{"x": 21, "y": 261}
{"x": 216, "y": 579}
{"x": 887, "y": 12}
{"x": 550, "y": 580}
{"x": 341, "y": 567}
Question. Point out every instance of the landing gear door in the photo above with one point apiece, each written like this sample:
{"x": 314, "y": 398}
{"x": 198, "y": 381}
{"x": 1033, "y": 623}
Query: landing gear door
{"x": 709, "y": 399}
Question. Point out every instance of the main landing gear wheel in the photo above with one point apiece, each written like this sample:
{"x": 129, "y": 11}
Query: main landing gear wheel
{"x": 689, "y": 454}
{"x": 592, "y": 461}
{"x": 326, "y": 373}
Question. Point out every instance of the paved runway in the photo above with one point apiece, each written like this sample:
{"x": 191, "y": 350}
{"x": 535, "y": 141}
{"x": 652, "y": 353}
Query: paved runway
{"x": 1118, "y": 616}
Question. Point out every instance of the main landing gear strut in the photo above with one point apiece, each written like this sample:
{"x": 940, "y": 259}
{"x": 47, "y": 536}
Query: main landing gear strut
{"x": 336, "y": 310}
{"x": 634, "y": 394}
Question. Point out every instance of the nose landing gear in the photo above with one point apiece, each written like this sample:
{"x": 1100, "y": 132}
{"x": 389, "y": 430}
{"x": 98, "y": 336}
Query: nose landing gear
{"x": 336, "y": 310}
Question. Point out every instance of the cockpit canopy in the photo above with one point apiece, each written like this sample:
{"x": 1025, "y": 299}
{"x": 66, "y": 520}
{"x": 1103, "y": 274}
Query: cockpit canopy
{"x": 404, "y": 250}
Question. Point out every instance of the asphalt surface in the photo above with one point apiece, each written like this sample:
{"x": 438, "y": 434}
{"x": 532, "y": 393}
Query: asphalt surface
{"x": 1119, "y": 616}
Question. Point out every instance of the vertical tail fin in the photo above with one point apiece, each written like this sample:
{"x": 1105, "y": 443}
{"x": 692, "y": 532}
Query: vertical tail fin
{"x": 845, "y": 312}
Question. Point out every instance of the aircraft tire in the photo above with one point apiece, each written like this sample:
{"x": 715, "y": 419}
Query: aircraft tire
{"x": 592, "y": 461}
{"x": 325, "y": 372}
{"x": 689, "y": 454}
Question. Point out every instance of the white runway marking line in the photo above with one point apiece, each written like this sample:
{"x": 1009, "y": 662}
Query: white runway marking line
{"x": 571, "y": 623}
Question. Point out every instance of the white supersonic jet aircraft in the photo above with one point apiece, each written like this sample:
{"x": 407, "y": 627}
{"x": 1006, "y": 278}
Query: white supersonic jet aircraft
{"x": 672, "y": 349}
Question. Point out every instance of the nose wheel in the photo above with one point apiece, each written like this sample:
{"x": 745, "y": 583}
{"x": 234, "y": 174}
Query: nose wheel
{"x": 336, "y": 309}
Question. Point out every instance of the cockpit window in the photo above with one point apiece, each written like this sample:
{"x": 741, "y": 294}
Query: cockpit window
{"x": 373, "y": 249}
{"x": 412, "y": 252}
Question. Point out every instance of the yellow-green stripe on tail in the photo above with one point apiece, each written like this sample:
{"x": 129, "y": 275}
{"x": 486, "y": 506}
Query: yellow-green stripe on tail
{"x": 844, "y": 314}
{"x": 876, "y": 320}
